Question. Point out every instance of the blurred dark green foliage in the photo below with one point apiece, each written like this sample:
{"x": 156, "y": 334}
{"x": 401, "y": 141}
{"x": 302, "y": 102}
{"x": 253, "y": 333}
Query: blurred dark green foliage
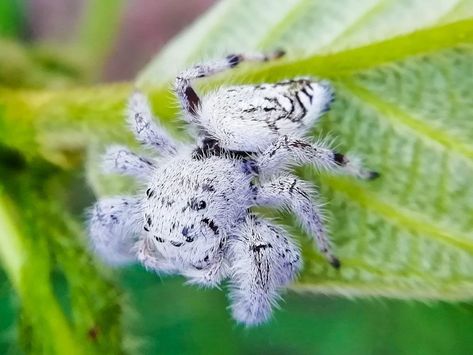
{"x": 12, "y": 18}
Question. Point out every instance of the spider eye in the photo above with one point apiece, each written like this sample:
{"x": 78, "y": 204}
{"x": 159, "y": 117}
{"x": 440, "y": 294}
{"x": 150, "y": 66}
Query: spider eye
{"x": 198, "y": 205}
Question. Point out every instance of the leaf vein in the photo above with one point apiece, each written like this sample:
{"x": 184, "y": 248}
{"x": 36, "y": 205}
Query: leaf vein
{"x": 417, "y": 126}
{"x": 398, "y": 215}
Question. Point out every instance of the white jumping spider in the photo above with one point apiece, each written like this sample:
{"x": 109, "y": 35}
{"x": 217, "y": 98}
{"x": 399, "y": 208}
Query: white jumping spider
{"x": 194, "y": 216}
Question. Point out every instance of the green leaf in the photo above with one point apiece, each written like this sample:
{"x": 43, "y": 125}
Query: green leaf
{"x": 402, "y": 72}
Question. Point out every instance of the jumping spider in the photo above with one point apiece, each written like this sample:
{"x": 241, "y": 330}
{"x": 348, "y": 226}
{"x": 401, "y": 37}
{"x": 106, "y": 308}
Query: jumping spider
{"x": 194, "y": 215}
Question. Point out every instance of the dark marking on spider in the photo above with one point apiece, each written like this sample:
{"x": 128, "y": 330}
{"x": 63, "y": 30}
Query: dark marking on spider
{"x": 139, "y": 120}
{"x": 373, "y": 175}
{"x": 339, "y": 159}
{"x": 208, "y": 187}
{"x": 257, "y": 248}
{"x": 304, "y": 90}
{"x": 210, "y": 147}
{"x": 299, "y": 144}
{"x": 211, "y": 225}
{"x": 274, "y": 151}
{"x": 150, "y": 193}
{"x": 278, "y": 53}
{"x": 304, "y": 109}
{"x": 197, "y": 205}
{"x": 159, "y": 239}
{"x": 293, "y": 107}
{"x": 335, "y": 263}
{"x": 234, "y": 60}
{"x": 193, "y": 99}
{"x": 146, "y": 161}
{"x": 272, "y": 124}
{"x": 291, "y": 188}
{"x": 273, "y": 101}
{"x": 250, "y": 167}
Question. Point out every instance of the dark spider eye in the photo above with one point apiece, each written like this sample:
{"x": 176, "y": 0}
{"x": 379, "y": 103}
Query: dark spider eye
{"x": 198, "y": 205}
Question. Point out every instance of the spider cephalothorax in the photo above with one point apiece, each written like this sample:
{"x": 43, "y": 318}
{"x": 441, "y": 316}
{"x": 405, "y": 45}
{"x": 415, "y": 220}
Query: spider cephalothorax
{"x": 194, "y": 215}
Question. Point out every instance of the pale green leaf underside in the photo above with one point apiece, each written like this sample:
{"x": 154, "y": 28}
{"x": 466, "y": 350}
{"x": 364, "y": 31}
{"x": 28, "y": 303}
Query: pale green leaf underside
{"x": 403, "y": 72}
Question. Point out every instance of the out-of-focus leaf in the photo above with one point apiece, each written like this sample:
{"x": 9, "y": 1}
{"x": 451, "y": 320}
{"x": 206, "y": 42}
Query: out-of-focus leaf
{"x": 98, "y": 27}
{"x": 67, "y": 306}
{"x": 35, "y": 67}
{"x": 12, "y": 18}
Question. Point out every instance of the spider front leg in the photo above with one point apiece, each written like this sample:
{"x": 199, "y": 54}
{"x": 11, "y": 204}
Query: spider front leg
{"x": 296, "y": 195}
{"x": 121, "y": 160}
{"x": 148, "y": 255}
{"x": 263, "y": 260}
{"x": 189, "y": 99}
{"x": 210, "y": 276}
{"x": 286, "y": 152}
{"x": 208, "y": 267}
{"x": 114, "y": 227}
{"x": 147, "y": 131}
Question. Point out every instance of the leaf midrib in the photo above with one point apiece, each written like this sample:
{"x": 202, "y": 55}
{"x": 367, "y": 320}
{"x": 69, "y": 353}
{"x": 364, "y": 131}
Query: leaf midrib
{"x": 344, "y": 64}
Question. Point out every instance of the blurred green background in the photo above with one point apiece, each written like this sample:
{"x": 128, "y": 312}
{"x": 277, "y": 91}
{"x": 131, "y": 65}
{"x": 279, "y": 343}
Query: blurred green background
{"x": 161, "y": 314}
{"x": 167, "y": 317}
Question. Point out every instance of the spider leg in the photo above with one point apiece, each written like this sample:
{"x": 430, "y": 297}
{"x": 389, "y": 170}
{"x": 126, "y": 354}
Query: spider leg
{"x": 114, "y": 225}
{"x": 151, "y": 258}
{"x": 208, "y": 266}
{"x": 118, "y": 159}
{"x": 211, "y": 276}
{"x": 264, "y": 260}
{"x": 189, "y": 99}
{"x": 147, "y": 131}
{"x": 286, "y": 152}
{"x": 294, "y": 194}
